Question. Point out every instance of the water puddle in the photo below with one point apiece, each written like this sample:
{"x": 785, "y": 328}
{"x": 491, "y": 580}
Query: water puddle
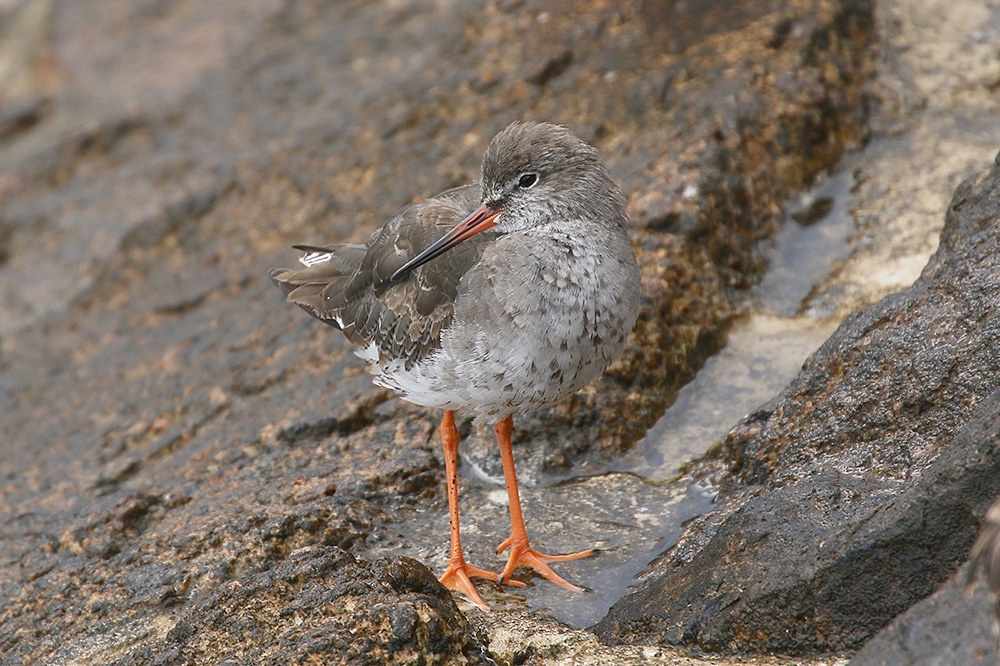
{"x": 636, "y": 509}
{"x": 764, "y": 350}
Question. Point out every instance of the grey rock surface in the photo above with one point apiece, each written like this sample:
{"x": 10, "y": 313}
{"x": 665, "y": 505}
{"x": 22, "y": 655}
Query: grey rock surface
{"x": 949, "y": 627}
{"x": 174, "y": 437}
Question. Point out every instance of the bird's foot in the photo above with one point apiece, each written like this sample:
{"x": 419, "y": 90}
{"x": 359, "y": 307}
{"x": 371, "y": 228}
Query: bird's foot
{"x": 522, "y": 554}
{"x": 458, "y": 577}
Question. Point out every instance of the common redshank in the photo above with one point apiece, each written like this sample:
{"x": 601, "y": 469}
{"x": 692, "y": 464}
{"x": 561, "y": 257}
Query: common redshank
{"x": 489, "y": 300}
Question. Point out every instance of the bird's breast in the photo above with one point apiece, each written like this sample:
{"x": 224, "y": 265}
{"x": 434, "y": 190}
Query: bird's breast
{"x": 537, "y": 319}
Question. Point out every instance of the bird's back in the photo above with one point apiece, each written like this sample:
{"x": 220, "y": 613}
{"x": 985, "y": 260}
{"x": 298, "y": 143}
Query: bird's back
{"x": 350, "y": 287}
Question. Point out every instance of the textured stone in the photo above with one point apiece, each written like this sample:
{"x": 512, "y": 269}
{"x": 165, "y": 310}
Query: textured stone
{"x": 949, "y": 627}
{"x": 858, "y": 490}
{"x": 173, "y": 435}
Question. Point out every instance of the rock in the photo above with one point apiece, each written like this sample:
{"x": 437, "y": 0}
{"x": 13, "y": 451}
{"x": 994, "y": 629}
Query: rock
{"x": 949, "y": 627}
{"x": 319, "y": 604}
{"x": 860, "y": 489}
{"x": 191, "y": 458}
{"x": 953, "y": 625}
{"x": 527, "y": 638}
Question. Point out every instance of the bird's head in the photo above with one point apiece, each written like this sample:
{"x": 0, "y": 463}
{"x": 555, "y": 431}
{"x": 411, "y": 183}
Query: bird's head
{"x": 538, "y": 173}
{"x": 535, "y": 174}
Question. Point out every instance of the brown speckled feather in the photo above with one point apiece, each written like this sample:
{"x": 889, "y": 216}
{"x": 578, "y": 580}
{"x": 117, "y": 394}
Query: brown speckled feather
{"x": 352, "y": 290}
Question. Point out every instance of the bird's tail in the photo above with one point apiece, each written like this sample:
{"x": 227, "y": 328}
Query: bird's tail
{"x": 325, "y": 270}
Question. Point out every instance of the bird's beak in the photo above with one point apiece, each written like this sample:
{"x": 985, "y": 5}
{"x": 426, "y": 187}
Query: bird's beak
{"x": 480, "y": 220}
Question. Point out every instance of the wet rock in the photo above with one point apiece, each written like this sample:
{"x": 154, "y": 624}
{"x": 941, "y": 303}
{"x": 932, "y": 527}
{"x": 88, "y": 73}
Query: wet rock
{"x": 949, "y": 627}
{"x": 523, "y": 638}
{"x": 262, "y": 588}
{"x": 551, "y": 68}
{"x": 932, "y": 95}
{"x": 860, "y": 489}
{"x": 185, "y": 459}
{"x": 22, "y": 116}
{"x": 953, "y": 625}
{"x": 319, "y": 604}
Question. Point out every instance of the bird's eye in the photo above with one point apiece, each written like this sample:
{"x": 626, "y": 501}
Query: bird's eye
{"x": 527, "y": 180}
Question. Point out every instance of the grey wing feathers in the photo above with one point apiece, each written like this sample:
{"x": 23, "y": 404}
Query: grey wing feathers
{"x": 350, "y": 288}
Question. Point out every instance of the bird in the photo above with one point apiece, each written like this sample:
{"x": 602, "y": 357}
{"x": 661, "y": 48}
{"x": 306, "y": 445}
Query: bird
{"x": 489, "y": 300}
{"x": 986, "y": 556}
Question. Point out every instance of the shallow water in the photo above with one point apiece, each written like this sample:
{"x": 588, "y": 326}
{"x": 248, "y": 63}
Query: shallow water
{"x": 765, "y": 349}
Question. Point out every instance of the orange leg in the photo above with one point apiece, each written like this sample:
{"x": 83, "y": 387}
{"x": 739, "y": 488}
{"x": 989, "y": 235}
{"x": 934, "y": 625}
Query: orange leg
{"x": 520, "y": 552}
{"x": 458, "y": 573}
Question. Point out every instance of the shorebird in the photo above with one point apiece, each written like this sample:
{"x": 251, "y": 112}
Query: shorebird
{"x": 489, "y": 300}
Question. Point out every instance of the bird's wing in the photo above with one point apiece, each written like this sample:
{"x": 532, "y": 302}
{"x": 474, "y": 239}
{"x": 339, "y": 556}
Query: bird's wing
{"x": 349, "y": 286}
